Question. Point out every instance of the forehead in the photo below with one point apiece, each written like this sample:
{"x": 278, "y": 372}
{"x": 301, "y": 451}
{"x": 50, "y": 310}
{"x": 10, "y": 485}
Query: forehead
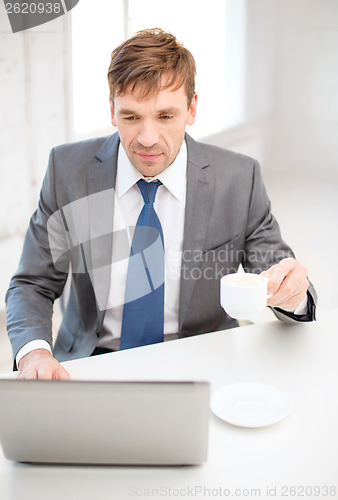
{"x": 138, "y": 98}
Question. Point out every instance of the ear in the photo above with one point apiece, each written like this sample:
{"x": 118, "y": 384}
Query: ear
{"x": 113, "y": 119}
{"x": 192, "y": 110}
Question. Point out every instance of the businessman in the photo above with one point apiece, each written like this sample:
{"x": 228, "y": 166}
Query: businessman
{"x": 144, "y": 223}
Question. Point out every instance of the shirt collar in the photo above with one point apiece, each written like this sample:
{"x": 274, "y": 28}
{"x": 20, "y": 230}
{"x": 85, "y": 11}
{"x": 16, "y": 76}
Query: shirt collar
{"x": 173, "y": 177}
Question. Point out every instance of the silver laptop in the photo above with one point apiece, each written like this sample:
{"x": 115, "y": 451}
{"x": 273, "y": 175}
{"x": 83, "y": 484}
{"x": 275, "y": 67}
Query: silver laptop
{"x": 158, "y": 423}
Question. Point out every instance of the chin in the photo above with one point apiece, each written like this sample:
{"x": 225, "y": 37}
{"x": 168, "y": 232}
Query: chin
{"x": 150, "y": 171}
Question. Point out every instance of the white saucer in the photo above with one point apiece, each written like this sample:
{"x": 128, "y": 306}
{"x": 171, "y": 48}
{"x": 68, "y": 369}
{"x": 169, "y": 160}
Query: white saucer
{"x": 250, "y": 404}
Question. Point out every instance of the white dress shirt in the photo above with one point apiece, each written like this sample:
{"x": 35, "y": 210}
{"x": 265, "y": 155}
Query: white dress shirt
{"x": 170, "y": 207}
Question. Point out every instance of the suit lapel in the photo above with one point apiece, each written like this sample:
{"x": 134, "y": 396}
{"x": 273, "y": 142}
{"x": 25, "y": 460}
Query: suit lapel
{"x": 199, "y": 200}
{"x": 101, "y": 191}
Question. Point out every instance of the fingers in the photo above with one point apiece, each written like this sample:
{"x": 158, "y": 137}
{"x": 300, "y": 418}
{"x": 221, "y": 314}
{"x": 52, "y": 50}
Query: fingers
{"x": 40, "y": 364}
{"x": 62, "y": 374}
{"x": 44, "y": 371}
{"x": 287, "y": 284}
{"x": 28, "y": 374}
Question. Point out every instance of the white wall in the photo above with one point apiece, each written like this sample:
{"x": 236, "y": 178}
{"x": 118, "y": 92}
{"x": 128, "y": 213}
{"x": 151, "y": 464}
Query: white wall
{"x": 254, "y": 136}
{"x": 34, "y": 117}
{"x": 34, "y": 113}
{"x": 307, "y": 89}
{"x": 291, "y": 121}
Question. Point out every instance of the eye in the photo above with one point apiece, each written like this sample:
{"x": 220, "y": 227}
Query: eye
{"x": 129, "y": 118}
{"x": 166, "y": 117}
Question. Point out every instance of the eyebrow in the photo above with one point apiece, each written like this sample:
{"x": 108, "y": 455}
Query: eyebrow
{"x": 167, "y": 111}
{"x": 126, "y": 112}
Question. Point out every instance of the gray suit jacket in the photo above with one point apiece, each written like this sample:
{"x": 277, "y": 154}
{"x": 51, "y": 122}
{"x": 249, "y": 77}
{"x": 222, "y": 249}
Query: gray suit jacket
{"x": 227, "y": 223}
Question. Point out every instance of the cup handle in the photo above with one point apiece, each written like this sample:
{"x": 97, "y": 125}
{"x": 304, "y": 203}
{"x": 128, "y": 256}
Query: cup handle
{"x": 268, "y": 296}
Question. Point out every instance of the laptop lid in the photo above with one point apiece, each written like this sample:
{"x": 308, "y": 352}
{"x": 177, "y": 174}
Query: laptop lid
{"x": 164, "y": 423}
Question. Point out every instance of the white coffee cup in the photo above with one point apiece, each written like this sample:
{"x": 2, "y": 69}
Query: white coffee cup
{"x": 244, "y": 295}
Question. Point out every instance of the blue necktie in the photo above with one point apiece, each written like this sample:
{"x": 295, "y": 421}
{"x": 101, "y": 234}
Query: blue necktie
{"x": 143, "y": 311}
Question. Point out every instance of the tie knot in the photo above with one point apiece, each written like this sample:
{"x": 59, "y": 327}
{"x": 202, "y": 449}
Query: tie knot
{"x": 148, "y": 190}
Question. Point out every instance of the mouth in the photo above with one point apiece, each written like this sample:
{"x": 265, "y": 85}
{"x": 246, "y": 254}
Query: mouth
{"x": 149, "y": 156}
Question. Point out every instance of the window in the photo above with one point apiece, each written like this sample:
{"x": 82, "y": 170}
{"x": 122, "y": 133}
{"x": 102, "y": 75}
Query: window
{"x": 214, "y": 32}
{"x": 95, "y": 33}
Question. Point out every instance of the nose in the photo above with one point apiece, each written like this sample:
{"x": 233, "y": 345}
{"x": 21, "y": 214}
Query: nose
{"x": 148, "y": 135}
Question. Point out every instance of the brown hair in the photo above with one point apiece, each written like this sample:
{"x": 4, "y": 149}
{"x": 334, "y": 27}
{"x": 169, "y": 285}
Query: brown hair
{"x": 144, "y": 58}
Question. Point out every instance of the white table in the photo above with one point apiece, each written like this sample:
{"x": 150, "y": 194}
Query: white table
{"x": 286, "y": 460}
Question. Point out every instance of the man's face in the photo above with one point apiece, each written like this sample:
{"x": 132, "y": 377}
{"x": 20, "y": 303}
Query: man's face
{"x": 152, "y": 128}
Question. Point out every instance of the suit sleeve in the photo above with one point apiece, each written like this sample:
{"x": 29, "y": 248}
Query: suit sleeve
{"x": 265, "y": 246}
{"x": 37, "y": 282}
